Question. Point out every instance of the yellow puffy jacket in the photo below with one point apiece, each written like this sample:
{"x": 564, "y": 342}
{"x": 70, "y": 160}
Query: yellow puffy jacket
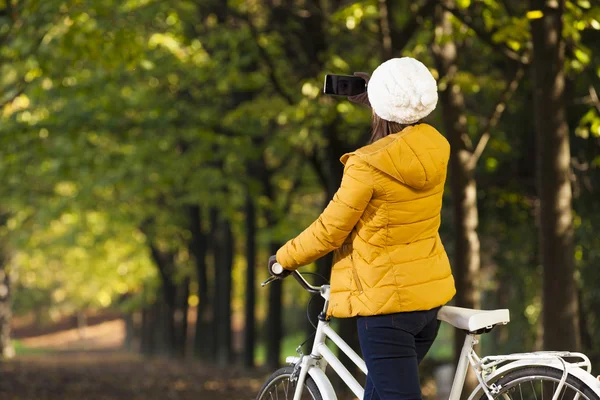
{"x": 383, "y": 225}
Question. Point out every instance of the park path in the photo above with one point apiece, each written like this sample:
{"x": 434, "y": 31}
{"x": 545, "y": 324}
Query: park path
{"x": 70, "y": 364}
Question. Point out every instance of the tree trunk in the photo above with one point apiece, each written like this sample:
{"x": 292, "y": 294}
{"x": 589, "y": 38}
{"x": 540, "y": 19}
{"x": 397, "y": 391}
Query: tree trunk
{"x": 136, "y": 345}
{"x": 144, "y": 333}
{"x": 466, "y": 261}
{"x": 169, "y": 345}
{"x": 385, "y": 20}
{"x": 223, "y": 265}
{"x": 274, "y": 319}
{"x": 249, "y": 331}
{"x": 214, "y": 247}
{"x": 165, "y": 263}
{"x": 162, "y": 327}
{"x": 560, "y": 311}
{"x": 6, "y": 349}
{"x": 273, "y": 329}
{"x": 503, "y": 295}
{"x": 203, "y": 336}
{"x": 586, "y": 336}
{"x": 180, "y": 318}
{"x": 129, "y": 331}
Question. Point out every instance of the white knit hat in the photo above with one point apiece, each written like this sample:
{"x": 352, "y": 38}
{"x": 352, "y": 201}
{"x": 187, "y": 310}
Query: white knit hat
{"x": 402, "y": 90}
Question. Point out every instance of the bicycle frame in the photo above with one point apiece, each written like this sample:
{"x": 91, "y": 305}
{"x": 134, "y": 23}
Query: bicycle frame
{"x": 486, "y": 369}
{"x": 321, "y": 356}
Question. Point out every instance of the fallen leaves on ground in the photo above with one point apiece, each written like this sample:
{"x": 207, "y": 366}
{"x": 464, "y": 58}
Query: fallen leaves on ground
{"x": 120, "y": 376}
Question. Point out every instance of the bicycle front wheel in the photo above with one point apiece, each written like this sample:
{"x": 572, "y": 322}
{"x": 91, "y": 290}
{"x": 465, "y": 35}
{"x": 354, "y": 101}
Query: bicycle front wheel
{"x": 278, "y": 386}
{"x": 540, "y": 383}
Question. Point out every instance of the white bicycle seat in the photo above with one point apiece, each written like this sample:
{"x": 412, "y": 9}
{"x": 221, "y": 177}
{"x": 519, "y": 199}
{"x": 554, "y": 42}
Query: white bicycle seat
{"x": 473, "y": 320}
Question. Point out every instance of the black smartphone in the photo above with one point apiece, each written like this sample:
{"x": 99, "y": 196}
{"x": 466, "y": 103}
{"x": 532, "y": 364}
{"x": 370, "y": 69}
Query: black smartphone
{"x": 344, "y": 85}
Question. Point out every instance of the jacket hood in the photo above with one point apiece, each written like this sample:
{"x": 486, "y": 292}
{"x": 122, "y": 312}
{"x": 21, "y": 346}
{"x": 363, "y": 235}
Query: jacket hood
{"x": 417, "y": 156}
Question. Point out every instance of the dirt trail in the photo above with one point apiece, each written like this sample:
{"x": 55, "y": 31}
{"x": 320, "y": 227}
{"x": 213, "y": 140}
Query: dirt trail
{"x": 107, "y": 335}
{"x": 89, "y": 364}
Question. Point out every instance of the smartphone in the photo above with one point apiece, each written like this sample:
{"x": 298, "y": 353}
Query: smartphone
{"x": 344, "y": 85}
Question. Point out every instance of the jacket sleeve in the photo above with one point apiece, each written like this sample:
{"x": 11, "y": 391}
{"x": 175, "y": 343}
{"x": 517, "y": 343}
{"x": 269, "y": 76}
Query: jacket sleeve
{"x": 335, "y": 223}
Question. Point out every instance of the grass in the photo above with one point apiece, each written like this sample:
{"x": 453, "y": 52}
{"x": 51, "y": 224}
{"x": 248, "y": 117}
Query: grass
{"x": 21, "y": 350}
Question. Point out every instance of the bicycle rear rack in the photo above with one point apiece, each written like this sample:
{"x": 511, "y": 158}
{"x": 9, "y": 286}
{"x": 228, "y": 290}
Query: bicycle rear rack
{"x": 489, "y": 362}
{"x": 484, "y": 366}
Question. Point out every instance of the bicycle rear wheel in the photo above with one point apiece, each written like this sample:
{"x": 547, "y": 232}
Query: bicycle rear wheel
{"x": 540, "y": 383}
{"x": 278, "y": 386}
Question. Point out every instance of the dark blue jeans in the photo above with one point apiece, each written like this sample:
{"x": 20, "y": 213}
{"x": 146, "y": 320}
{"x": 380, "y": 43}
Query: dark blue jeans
{"x": 393, "y": 346}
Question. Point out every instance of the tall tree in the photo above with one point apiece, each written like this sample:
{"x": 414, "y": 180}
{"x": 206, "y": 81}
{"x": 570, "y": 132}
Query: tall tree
{"x": 250, "y": 295}
{"x": 274, "y": 323}
{"x": 165, "y": 262}
{"x": 560, "y": 308}
{"x": 224, "y": 250}
{"x": 180, "y": 315}
{"x": 464, "y": 157}
{"x": 463, "y": 186}
{"x": 203, "y": 338}
{"x": 6, "y": 349}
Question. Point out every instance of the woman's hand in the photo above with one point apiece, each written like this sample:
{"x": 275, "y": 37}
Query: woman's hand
{"x": 362, "y": 98}
{"x": 276, "y": 270}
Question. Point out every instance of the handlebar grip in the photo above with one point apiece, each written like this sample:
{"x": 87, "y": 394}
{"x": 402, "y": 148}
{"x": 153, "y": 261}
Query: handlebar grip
{"x": 277, "y": 268}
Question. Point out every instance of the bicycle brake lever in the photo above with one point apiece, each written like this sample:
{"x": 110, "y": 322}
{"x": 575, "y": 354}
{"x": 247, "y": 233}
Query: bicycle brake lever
{"x": 270, "y": 280}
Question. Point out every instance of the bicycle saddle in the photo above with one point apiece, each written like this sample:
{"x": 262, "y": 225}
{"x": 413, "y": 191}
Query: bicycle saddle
{"x": 473, "y": 320}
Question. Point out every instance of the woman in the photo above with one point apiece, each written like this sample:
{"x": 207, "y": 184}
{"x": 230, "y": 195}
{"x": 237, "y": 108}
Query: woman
{"x": 390, "y": 267}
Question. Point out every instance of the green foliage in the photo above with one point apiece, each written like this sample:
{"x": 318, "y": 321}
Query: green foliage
{"x": 116, "y": 116}
{"x": 21, "y": 350}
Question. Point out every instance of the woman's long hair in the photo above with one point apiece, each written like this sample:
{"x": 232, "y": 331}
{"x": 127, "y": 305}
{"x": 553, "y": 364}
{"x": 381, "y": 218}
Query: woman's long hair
{"x": 381, "y": 128}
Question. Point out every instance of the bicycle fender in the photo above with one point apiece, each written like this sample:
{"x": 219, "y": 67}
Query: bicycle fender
{"x": 579, "y": 373}
{"x": 323, "y": 384}
{"x": 586, "y": 378}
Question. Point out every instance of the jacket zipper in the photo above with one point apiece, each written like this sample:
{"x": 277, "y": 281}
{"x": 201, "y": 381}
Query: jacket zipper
{"x": 355, "y": 274}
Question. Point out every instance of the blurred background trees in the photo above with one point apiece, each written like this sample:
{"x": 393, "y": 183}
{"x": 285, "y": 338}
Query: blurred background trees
{"x": 154, "y": 154}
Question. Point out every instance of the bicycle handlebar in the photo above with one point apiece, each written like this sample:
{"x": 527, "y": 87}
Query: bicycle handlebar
{"x": 307, "y": 286}
{"x": 277, "y": 268}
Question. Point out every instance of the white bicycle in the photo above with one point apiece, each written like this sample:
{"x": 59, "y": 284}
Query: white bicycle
{"x": 525, "y": 376}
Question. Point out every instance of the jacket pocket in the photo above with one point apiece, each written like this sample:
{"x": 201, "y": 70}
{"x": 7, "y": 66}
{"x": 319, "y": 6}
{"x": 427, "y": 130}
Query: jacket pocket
{"x": 355, "y": 275}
